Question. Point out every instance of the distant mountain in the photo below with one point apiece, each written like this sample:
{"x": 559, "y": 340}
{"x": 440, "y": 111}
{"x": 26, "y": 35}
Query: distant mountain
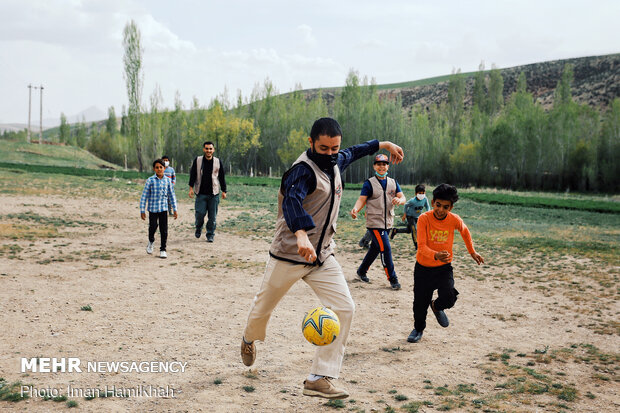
{"x": 91, "y": 114}
{"x": 596, "y": 83}
{"x": 12, "y": 127}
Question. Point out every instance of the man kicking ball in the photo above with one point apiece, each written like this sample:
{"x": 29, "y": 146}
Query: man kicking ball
{"x": 302, "y": 248}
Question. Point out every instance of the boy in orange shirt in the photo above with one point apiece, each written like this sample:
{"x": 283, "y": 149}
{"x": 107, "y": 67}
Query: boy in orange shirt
{"x": 433, "y": 270}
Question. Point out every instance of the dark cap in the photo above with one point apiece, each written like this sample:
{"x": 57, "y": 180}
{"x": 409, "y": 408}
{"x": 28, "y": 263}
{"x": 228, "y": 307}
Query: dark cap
{"x": 381, "y": 158}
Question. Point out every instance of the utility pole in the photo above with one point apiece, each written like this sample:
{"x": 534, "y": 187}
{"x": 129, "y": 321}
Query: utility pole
{"x": 41, "y": 118}
{"x": 29, "y": 108}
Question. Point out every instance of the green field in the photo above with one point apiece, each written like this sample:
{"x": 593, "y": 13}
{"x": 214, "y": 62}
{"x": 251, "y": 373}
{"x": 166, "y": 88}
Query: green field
{"x": 529, "y": 223}
{"x": 23, "y": 153}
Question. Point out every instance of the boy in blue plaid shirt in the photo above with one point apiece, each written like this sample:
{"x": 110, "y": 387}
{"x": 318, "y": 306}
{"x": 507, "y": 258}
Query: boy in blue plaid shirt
{"x": 158, "y": 193}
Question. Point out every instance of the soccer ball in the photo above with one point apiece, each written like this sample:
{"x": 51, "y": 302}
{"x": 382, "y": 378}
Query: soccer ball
{"x": 320, "y": 326}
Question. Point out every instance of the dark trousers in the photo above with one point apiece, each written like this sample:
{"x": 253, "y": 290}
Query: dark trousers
{"x": 206, "y": 204}
{"x": 425, "y": 281}
{"x": 366, "y": 239}
{"x": 161, "y": 219}
{"x": 410, "y": 229}
{"x": 380, "y": 245}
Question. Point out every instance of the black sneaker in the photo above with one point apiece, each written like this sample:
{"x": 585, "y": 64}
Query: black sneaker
{"x": 362, "y": 277}
{"x": 414, "y": 336}
{"x": 198, "y": 232}
{"x": 209, "y": 238}
{"x": 394, "y": 283}
{"x": 441, "y": 317}
{"x": 392, "y": 233}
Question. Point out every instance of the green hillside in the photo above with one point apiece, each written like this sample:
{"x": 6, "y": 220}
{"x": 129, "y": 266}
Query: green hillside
{"x": 422, "y": 82}
{"x": 52, "y": 155}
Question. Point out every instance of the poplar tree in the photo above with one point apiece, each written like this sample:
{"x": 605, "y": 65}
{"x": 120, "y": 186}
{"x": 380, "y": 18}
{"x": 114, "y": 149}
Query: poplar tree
{"x": 65, "y": 130}
{"x": 134, "y": 78}
{"x": 110, "y": 124}
{"x": 455, "y": 109}
{"x": 563, "y": 93}
{"x": 495, "y": 101}
{"x": 479, "y": 98}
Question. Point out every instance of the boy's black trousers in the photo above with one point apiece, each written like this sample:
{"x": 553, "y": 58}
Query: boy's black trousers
{"x": 161, "y": 219}
{"x": 425, "y": 281}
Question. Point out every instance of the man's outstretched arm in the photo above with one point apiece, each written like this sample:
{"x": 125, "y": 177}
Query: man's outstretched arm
{"x": 347, "y": 156}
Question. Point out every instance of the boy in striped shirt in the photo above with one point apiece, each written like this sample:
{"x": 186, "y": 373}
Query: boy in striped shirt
{"x": 169, "y": 172}
{"x": 433, "y": 270}
{"x": 158, "y": 192}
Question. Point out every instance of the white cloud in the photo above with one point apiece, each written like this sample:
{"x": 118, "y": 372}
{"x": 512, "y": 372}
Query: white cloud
{"x": 158, "y": 37}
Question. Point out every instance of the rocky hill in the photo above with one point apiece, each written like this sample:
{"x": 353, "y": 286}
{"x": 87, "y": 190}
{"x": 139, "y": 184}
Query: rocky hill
{"x": 596, "y": 83}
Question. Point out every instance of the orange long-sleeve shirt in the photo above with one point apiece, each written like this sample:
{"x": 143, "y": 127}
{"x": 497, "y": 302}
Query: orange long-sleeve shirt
{"x": 437, "y": 235}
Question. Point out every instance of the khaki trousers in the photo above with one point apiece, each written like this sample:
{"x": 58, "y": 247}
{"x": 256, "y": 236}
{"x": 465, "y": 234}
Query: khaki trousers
{"x": 331, "y": 288}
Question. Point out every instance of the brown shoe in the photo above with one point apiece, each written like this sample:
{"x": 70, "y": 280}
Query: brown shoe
{"x": 324, "y": 387}
{"x": 248, "y": 353}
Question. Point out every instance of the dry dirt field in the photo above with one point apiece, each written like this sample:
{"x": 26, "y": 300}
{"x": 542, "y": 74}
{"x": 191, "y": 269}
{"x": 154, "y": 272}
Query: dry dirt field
{"x": 75, "y": 281}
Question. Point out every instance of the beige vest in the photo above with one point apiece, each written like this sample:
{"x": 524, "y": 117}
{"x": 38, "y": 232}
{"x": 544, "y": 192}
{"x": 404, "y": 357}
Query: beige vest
{"x": 215, "y": 182}
{"x": 379, "y": 208}
{"x": 323, "y": 205}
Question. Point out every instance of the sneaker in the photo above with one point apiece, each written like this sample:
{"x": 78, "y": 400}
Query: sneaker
{"x": 209, "y": 238}
{"x": 162, "y": 254}
{"x": 362, "y": 277}
{"x": 392, "y": 233}
{"x": 394, "y": 283}
{"x": 414, "y": 336}
{"x": 324, "y": 387}
{"x": 149, "y": 248}
{"x": 198, "y": 232}
{"x": 441, "y": 317}
{"x": 248, "y": 352}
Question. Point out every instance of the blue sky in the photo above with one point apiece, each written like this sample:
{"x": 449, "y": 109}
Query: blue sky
{"x": 202, "y": 48}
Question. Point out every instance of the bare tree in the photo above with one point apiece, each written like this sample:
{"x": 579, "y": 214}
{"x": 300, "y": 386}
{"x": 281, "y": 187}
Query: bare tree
{"x": 134, "y": 78}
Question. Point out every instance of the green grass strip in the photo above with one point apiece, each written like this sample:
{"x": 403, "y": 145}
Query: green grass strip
{"x": 609, "y": 207}
{"x": 68, "y": 170}
{"x": 108, "y": 173}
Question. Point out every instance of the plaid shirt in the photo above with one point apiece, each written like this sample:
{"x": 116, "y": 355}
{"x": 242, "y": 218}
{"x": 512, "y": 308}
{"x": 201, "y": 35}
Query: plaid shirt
{"x": 158, "y": 192}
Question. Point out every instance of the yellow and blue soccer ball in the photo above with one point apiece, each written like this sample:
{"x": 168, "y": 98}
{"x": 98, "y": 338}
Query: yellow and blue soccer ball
{"x": 321, "y": 326}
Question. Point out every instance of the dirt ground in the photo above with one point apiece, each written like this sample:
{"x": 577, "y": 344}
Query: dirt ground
{"x": 192, "y": 308}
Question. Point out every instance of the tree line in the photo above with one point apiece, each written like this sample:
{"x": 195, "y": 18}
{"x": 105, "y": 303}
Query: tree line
{"x": 513, "y": 143}
{"x": 509, "y": 144}
{"x": 500, "y": 142}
